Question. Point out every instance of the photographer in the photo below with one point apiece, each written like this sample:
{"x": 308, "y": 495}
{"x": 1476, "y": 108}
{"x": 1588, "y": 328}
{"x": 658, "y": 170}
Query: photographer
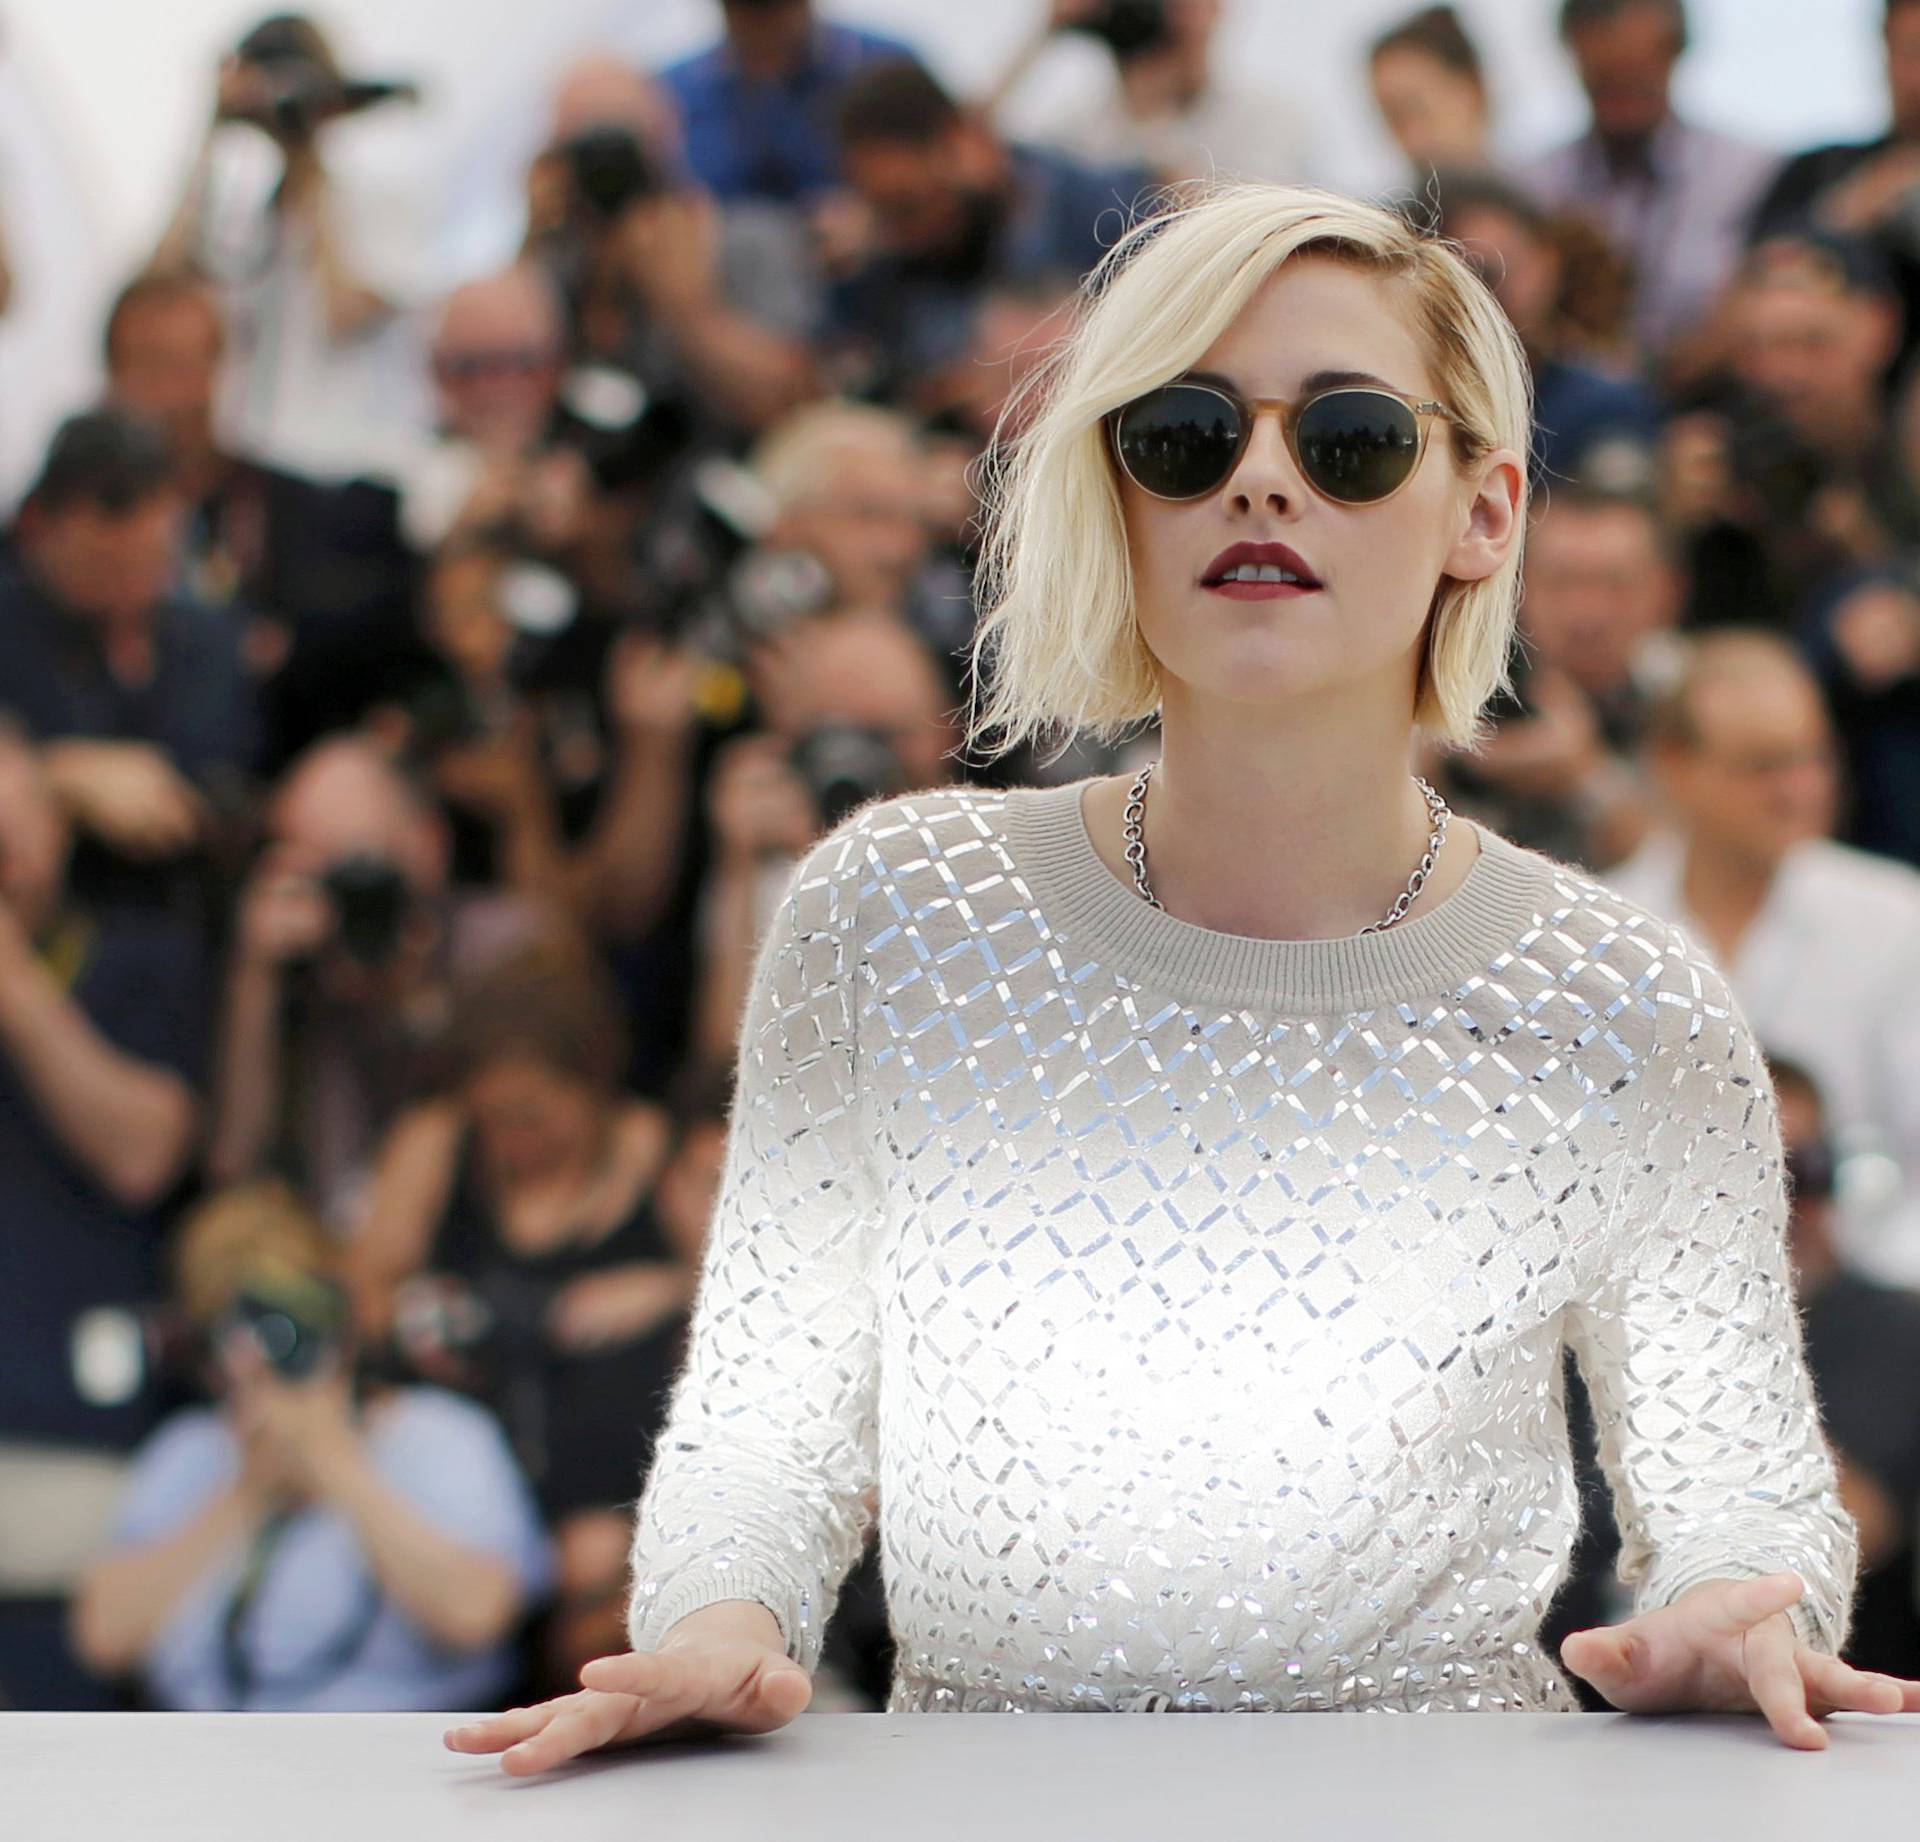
{"x": 854, "y": 707}
{"x": 710, "y": 308}
{"x": 102, "y": 1036}
{"x": 515, "y": 1245}
{"x": 1788, "y": 473}
{"x": 315, "y": 282}
{"x": 313, "y": 574}
{"x": 347, "y": 944}
{"x": 137, "y": 691}
{"x": 314, "y": 1539}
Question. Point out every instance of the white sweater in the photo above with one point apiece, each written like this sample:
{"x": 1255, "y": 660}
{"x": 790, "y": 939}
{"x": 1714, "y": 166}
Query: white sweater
{"x": 1195, "y": 1301}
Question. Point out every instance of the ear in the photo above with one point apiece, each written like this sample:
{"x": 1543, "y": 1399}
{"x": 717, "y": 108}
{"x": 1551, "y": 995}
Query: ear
{"x": 1497, "y": 490}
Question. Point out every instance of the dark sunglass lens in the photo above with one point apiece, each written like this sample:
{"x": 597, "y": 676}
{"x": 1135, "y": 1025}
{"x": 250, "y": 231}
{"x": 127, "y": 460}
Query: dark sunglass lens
{"x": 1357, "y": 445}
{"x": 1178, "y": 441}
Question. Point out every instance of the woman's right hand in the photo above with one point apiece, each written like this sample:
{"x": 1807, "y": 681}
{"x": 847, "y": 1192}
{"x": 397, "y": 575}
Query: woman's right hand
{"x": 704, "y": 1684}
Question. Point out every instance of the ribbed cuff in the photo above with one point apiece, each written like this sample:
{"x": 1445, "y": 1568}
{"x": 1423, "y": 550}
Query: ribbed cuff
{"x": 1802, "y": 1613}
{"x": 649, "y": 1618}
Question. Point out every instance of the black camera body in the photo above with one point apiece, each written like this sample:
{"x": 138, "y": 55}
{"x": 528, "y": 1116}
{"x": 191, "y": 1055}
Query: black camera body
{"x": 1129, "y": 28}
{"x": 370, "y": 898}
{"x": 610, "y": 168}
{"x": 844, "y": 767}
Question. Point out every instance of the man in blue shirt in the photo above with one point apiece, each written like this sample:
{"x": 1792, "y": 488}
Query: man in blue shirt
{"x": 754, "y": 108}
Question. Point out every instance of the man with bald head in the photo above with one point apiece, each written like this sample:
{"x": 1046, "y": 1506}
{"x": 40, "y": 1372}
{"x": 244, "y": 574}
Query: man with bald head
{"x": 1821, "y": 941}
{"x": 713, "y": 300}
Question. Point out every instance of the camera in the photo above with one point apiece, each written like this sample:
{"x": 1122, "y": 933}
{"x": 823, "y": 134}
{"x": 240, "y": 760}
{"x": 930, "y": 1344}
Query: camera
{"x": 370, "y": 899}
{"x": 844, "y": 767}
{"x": 295, "y": 1318}
{"x": 1129, "y": 28}
{"x": 609, "y": 168}
{"x": 303, "y": 91}
{"x": 626, "y": 433}
{"x": 715, "y": 581}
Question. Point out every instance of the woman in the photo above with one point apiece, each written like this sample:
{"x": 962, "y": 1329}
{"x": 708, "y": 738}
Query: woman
{"x": 313, "y": 1541}
{"x": 516, "y": 1246}
{"x": 1174, "y": 1190}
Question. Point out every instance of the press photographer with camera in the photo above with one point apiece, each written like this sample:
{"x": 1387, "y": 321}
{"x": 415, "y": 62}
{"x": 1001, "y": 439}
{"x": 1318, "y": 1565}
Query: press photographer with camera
{"x": 707, "y": 307}
{"x": 317, "y": 269}
{"x": 522, "y": 1242}
{"x": 314, "y": 1538}
{"x": 347, "y": 945}
{"x": 852, "y": 707}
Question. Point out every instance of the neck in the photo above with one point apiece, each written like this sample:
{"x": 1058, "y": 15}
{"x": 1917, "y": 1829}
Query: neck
{"x": 1308, "y": 835}
{"x": 1724, "y": 888}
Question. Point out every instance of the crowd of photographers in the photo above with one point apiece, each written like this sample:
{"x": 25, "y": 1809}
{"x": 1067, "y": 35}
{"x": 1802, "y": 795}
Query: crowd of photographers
{"x": 411, "y": 710}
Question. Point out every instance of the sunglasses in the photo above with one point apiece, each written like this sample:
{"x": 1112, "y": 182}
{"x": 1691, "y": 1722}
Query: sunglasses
{"x": 1356, "y": 444}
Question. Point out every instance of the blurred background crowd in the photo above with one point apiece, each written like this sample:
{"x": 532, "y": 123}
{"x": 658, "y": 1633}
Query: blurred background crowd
{"x": 413, "y": 701}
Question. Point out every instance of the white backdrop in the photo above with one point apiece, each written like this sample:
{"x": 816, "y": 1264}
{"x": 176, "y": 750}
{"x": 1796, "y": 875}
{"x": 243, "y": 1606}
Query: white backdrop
{"x": 101, "y": 102}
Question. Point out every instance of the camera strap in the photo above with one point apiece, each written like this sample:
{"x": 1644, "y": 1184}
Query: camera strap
{"x": 242, "y": 1677}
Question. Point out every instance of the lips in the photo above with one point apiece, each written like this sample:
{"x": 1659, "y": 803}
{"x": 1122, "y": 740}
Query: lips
{"x": 1278, "y": 555}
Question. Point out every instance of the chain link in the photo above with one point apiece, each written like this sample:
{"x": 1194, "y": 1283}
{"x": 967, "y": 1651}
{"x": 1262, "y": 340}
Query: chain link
{"x": 1136, "y": 852}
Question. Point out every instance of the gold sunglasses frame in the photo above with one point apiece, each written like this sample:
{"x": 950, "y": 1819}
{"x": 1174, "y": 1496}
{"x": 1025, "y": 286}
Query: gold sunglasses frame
{"x": 1426, "y": 411}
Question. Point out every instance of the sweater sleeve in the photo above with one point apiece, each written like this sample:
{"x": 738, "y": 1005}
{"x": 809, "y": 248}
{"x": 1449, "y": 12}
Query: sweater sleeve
{"x": 769, "y": 1443}
{"x": 1691, "y": 1341}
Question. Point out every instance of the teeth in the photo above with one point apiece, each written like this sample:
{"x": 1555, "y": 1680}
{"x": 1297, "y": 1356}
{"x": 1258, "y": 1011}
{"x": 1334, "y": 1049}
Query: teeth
{"x": 1260, "y": 572}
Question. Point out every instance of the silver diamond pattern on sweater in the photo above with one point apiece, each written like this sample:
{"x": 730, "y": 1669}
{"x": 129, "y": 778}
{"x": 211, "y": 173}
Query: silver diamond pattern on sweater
{"x": 1204, "y": 1349}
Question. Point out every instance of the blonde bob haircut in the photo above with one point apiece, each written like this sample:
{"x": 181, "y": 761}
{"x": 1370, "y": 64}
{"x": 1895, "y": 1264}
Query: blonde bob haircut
{"x": 1057, "y": 646}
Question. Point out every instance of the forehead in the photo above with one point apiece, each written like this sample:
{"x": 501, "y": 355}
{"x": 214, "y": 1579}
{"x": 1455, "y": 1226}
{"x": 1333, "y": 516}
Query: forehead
{"x": 1316, "y": 314}
{"x": 1757, "y": 706}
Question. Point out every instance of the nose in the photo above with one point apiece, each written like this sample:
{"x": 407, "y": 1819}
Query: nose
{"x": 1265, "y": 473}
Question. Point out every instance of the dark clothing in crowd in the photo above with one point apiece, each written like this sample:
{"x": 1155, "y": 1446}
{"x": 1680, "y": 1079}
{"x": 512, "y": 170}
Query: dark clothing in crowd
{"x": 197, "y": 708}
{"x": 327, "y": 563}
{"x": 1863, "y": 1345}
{"x": 67, "y": 1247}
{"x": 747, "y": 139}
{"x": 1576, "y": 408}
{"x": 1878, "y": 731}
{"x": 582, "y": 1423}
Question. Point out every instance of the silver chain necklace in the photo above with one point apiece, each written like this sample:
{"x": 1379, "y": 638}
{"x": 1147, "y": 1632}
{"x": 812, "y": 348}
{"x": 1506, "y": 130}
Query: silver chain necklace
{"x": 1136, "y": 852}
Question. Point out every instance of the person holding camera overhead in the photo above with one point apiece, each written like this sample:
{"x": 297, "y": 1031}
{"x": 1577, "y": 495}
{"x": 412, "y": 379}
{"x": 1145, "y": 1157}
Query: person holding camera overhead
{"x": 319, "y": 264}
{"x": 314, "y": 1539}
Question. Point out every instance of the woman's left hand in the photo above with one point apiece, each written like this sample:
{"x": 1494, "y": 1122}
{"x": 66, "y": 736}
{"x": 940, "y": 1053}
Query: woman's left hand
{"x": 1728, "y": 1645}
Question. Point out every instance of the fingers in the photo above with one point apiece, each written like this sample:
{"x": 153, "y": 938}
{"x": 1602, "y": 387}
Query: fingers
{"x": 1747, "y": 1603}
{"x": 1839, "y": 1685}
{"x": 1780, "y": 1694}
{"x": 547, "y": 1734}
{"x": 1604, "y": 1654}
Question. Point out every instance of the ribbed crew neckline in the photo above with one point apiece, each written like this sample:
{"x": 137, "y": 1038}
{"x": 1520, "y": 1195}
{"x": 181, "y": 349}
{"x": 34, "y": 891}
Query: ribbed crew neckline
{"x": 1082, "y": 899}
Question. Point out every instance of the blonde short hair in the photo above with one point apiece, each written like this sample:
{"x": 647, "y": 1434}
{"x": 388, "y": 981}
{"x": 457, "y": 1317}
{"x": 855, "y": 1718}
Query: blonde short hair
{"x": 1057, "y": 645}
